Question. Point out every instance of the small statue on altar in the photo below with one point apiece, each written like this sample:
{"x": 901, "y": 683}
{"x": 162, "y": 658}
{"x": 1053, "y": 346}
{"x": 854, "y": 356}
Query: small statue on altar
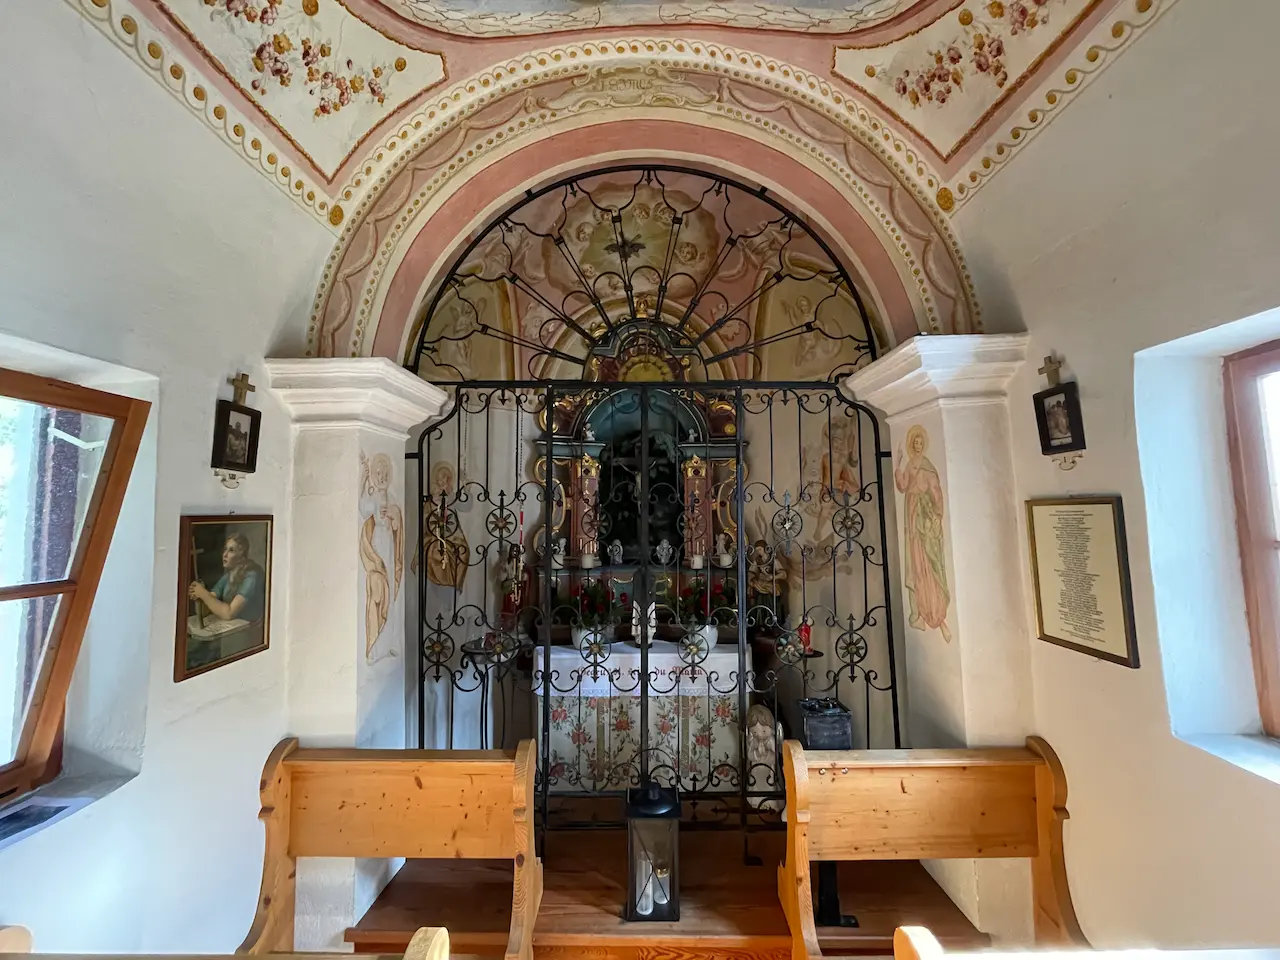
{"x": 767, "y": 585}
{"x": 765, "y": 575}
{"x": 589, "y": 433}
{"x": 665, "y": 552}
{"x": 558, "y": 548}
{"x": 724, "y": 556}
{"x": 615, "y": 553}
{"x": 763, "y": 735}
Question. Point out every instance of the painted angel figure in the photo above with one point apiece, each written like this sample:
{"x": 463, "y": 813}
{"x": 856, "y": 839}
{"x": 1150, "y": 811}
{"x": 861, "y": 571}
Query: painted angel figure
{"x": 381, "y": 545}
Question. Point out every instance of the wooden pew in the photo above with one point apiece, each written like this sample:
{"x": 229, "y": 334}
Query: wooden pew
{"x": 926, "y": 805}
{"x": 466, "y": 805}
{"x": 919, "y": 943}
{"x": 15, "y": 940}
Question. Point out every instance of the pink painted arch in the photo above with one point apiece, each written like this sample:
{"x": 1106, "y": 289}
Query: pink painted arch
{"x": 833, "y": 214}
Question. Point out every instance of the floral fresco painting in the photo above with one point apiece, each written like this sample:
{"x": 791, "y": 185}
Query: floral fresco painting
{"x": 314, "y": 67}
{"x": 944, "y": 79}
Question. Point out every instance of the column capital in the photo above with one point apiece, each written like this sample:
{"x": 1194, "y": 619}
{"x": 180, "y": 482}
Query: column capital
{"x": 933, "y": 371}
{"x": 371, "y": 392}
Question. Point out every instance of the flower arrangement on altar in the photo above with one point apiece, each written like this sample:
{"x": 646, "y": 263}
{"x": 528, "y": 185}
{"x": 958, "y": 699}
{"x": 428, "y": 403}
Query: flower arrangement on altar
{"x": 704, "y": 602}
{"x": 590, "y": 603}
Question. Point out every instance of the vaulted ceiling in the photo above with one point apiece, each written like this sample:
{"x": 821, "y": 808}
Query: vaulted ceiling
{"x": 319, "y": 95}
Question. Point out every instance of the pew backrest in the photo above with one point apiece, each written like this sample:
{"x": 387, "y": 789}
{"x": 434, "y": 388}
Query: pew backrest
{"x": 926, "y": 805}
{"x": 431, "y": 804}
{"x": 917, "y": 804}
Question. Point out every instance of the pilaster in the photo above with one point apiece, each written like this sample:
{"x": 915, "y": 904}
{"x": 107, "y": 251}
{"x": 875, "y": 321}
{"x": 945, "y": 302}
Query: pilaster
{"x": 945, "y": 401}
{"x": 347, "y": 585}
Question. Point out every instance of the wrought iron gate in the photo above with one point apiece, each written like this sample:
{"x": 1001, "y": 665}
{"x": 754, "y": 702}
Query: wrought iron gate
{"x": 650, "y": 578}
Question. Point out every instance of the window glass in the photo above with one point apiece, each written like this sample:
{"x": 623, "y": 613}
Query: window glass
{"x": 25, "y": 627}
{"x": 49, "y": 463}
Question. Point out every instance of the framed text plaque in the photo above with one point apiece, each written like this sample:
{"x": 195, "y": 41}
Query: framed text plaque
{"x": 1080, "y": 575}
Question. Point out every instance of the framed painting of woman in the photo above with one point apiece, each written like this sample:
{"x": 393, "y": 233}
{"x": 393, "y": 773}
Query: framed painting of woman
{"x": 224, "y": 591}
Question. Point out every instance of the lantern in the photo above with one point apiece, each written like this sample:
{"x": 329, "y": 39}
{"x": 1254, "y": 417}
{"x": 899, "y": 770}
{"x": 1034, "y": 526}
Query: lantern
{"x": 653, "y": 848}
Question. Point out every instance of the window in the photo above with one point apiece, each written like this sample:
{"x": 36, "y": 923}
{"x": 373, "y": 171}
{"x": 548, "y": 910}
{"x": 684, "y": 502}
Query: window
{"x": 1252, "y": 382}
{"x": 65, "y": 456}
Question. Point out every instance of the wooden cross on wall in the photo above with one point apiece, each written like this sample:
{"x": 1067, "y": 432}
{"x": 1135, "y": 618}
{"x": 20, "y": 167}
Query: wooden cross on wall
{"x": 242, "y": 387}
{"x": 1050, "y": 370}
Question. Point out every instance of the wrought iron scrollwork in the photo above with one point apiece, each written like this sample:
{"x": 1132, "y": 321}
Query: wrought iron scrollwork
{"x": 727, "y": 597}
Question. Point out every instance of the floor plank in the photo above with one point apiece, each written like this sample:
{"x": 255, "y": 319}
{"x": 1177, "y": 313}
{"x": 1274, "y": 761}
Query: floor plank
{"x": 724, "y": 903}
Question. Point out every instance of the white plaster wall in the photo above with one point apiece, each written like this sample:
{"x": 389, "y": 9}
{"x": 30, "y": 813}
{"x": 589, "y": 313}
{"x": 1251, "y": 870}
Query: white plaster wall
{"x": 1143, "y": 213}
{"x": 129, "y": 234}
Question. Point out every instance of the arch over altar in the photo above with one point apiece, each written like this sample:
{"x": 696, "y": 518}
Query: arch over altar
{"x": 652, "y": 530}
{"x": 865, "y": 192}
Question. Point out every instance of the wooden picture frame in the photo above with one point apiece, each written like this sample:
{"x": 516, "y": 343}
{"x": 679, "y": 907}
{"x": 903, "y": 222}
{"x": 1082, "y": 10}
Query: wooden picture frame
{"x": 1083, "y": 593}
{"x": 235, "y": 437}
{"x": 229, "y": 617}
{"x": 1059, "y": 420}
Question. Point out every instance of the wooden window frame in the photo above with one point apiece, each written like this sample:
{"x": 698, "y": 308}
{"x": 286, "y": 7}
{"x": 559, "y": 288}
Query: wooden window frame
{"x": 39, "y": 754}
{"x": 1256, "y": 521}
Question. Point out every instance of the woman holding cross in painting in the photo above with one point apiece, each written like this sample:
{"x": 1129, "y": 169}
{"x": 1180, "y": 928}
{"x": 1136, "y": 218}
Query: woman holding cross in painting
{"x": 238, "y": 594}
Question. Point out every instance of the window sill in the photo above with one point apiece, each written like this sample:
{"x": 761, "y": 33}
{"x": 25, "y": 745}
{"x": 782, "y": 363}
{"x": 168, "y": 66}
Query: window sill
{"x": 76, "y": 790}
{"x": 1255, "y": 754}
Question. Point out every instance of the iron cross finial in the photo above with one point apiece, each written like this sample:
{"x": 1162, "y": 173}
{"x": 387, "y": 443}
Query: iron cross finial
{"x": 242, "y": 387}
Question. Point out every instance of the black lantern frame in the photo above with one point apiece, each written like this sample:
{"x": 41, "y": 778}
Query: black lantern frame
{"x": 653, "y": 854}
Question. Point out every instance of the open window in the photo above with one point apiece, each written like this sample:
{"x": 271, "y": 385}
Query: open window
{"x": 66, "y": 453}
{"x": 1252, "y": 382}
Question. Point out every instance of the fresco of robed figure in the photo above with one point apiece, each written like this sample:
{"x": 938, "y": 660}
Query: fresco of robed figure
{"x": 916, "y": 478}
{"x": 225, "y": 582}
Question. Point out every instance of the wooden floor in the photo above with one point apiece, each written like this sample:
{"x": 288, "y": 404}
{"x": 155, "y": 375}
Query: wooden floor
{"x": 727, "y": 909}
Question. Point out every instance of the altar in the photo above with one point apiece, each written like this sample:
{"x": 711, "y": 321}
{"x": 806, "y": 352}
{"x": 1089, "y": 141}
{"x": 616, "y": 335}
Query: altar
{"x": 693, "y": 718}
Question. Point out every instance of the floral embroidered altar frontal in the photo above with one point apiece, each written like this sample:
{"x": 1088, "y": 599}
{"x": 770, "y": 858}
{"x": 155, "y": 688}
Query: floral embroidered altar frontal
{"x": 693, "y": 717}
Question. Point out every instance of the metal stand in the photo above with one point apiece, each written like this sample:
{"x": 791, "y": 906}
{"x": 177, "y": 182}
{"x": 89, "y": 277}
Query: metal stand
{"x": 826, "y": 908}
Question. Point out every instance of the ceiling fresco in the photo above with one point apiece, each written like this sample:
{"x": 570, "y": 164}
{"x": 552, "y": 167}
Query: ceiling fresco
{"x": 490, "y": 18}
{"x": 943, "y": 80}
{"x": 326, "y": 98}
{"x": 320, "y": 76}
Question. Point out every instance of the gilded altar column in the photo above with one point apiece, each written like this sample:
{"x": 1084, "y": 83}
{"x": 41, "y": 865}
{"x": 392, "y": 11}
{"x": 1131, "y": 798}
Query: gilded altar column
{"x": 698, "y": 504}
{"x": 960, "y": 596}
{"x": 586, "y": 510}
{"x": 347, "y": 584}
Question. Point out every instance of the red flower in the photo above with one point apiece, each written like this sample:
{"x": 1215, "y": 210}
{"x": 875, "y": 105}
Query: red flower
{"x": 623, "y": 598}
{"x": 559, "y": 715}
{"x": 687, "y": 592}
